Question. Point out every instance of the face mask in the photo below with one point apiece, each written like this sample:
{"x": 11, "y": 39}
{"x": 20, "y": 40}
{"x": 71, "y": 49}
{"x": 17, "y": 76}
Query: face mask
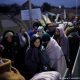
{"x": 44, "y": 44}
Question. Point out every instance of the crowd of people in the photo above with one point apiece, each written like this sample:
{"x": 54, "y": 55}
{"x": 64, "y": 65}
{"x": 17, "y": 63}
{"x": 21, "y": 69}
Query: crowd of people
{"x": 41, "y": 49}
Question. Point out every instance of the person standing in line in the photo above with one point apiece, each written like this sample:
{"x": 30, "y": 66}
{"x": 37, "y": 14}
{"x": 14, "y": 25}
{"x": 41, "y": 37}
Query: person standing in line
{"x": 10, "y": 46}
{"x": 63, "y": 42}
{"x": 36, "y": 59}
{"x": 55, "y": 53}
{"x": 23, "y": 41}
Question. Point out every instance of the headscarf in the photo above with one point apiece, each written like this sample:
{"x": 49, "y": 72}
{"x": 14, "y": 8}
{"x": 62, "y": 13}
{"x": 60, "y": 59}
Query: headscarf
{"x": 5, "y": 35}
{"x": 61, "y": 29}
{"x": 33, "y": 39}
{"x": 40, "y": 28}
{"x": 64, "y": 42}
{"x": 9, "y": 34}
{"x": 46, "y": 37}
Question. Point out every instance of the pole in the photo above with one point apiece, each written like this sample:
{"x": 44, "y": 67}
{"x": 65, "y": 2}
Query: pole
{"x": 64, "y": 14}
{"x": 30, "y": 14}
{"x": 76, "y": 8}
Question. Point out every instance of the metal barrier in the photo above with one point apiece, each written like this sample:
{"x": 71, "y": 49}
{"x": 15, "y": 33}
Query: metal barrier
{"x": 75, "y": 74}
{"x": 76, "y": 66}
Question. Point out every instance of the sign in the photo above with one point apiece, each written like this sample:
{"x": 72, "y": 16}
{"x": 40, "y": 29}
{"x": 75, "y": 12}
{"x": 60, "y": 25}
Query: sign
{"x": 36, "y": 14}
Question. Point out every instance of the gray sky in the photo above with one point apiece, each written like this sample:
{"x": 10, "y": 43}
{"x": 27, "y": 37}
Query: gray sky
{"x": 66, "y": 3}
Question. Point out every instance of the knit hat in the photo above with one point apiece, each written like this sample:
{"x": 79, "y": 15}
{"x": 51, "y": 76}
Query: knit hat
{"x": 45, "y": 37}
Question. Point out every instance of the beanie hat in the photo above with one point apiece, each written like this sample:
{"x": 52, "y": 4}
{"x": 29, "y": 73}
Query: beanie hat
{"x": 45, "y": 37}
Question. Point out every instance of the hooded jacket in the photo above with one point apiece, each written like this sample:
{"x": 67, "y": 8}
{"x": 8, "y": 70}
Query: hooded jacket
{"x": 33, "y": 58}
{"x": 64, "y": 43}
{"x": 10, "y": 48}
{"x": 57, "y": 59}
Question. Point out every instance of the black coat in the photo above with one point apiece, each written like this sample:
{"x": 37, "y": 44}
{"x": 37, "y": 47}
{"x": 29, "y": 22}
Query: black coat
{"x": 36, "y": 61}
{"x": 10, "y": 49}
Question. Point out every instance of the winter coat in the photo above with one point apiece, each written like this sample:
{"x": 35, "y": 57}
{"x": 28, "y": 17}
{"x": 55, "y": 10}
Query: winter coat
{"x": 64, "y": 43}
{"x": 34, "y": 60}
{"x": 74, "y": 41}
{"x": 23, "y": 42}
{"x": 10, "y": 48}
{"x": 57, "y": 59}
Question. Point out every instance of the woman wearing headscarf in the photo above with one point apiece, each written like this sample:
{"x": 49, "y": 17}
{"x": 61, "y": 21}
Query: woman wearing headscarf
{"x": 35, "y": 63}
{"x": 7, "y": 72}
{"x": 40, "y": 31}
{"x": 62, "y": 40}
{"x": 10, "y": 46}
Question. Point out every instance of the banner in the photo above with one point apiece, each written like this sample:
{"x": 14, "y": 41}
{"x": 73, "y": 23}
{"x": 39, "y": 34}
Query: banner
{"x": 36, "y": 14}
